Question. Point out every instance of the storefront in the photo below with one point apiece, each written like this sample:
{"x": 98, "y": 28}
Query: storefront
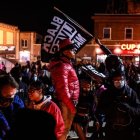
{"x": 24, "y": 56}
{"x": 8, "y": 52}
{"x": 128, "y": 53}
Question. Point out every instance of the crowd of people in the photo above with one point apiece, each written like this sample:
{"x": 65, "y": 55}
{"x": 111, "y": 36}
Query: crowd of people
{"x": 47, "y": 101}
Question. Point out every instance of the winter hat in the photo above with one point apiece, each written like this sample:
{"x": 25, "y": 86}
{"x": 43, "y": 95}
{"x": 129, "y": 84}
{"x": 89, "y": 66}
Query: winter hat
{"x": 66, "y": 44}
{"x": 114, "y": 64}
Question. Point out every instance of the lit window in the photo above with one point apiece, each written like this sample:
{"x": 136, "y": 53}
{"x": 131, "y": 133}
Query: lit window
{"x": 9, "y": 38}
{"x": 1, "y": 37}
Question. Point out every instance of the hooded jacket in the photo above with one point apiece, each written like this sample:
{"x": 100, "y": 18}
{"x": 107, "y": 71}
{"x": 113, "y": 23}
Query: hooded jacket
{"x": 50, "y": 107}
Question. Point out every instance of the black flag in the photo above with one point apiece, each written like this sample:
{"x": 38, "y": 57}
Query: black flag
{"x": 93, "y": 73}
{"x": 60, "y": 27}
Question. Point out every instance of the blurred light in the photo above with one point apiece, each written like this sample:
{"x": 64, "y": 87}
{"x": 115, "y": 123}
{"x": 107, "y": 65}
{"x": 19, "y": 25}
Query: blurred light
{"x": 137, "y": 51}
{"x": 98, "y": 51}
{"x": 24, "y": 56}
{"x": 117, "y": 51}
{"x": 137, "y": 59}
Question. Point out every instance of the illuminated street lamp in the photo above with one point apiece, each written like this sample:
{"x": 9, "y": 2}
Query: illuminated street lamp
{"x": 117, "y": 51}
{"x": 98, "y": 51}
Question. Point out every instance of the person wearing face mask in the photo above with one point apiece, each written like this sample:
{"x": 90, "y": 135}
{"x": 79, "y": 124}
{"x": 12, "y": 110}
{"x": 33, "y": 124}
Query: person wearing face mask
{"x": 121, "y": 106}
{"x": 9, "y": 104}
{"x": 119, "y": 84}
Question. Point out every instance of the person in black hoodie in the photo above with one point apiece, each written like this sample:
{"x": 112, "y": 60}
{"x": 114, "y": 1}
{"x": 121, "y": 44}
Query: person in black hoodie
{"x": 121, "y": 107}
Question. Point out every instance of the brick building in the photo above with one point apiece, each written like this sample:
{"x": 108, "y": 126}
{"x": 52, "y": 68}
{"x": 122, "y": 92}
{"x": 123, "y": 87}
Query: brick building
{"x": 19, "y": 46}
{"x": 29, "y": 46}
{"x": 120, "y": 32}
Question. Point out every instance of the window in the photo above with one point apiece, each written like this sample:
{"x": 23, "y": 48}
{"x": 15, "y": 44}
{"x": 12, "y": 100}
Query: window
{"x": 10, "y": 38}
{"x": 1, "y": 37}
{"x": 24, "y": 43}
{"x": 107, "y": 33}
{"x": 128, "y": 33}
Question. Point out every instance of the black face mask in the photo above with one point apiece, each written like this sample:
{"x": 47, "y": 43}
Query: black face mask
{"x": 5, "y": 102}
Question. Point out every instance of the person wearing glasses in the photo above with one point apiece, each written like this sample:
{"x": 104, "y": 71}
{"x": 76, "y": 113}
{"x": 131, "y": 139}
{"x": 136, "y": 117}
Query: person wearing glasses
{"x": 39, "y": 101}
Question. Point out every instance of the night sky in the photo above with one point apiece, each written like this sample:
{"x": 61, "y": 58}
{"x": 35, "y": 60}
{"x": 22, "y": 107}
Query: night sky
{"x": 32, "y": 15}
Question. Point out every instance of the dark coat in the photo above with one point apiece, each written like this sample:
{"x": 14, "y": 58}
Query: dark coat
{"x": 7, "y": 115}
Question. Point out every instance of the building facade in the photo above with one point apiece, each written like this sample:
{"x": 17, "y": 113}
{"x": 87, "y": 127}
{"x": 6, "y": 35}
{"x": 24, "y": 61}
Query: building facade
{"x": 118, "y": 31}
{"x": 19, "y": 46}
{"x": 29, "y": 46}
{"x": 9, "y": 41}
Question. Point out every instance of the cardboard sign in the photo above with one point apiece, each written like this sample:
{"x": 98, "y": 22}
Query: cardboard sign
{"x": 60, "y": 27}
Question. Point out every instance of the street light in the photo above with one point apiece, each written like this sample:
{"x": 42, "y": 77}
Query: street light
{"x": 117, "y": 51}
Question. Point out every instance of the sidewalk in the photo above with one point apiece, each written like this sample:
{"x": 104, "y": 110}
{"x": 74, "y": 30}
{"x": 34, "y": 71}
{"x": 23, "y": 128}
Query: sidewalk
{"x": 73, "y": 135}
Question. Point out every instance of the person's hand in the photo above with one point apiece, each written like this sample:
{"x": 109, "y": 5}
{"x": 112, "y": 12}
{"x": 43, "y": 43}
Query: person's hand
{"x": 98, "y": 41}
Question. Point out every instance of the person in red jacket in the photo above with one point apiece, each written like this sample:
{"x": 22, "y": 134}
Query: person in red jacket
{"x": 65, "y": 81}
{"x": 38, "y": 101}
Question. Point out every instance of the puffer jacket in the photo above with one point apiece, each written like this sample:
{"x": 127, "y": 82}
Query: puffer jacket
{"x": 65, "y": 81}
